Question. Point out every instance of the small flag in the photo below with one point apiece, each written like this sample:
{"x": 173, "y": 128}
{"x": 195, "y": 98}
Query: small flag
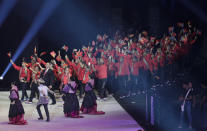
{"x": 93, "y": 43}
{"x": 79, "y": 54}
{"x": 180, "y": 24}
{"x": 170, "y": 29}
{"x": 131, "y": 35}
{"x": 126, "y": 39}
{"x": 9, "y": 54}
{"x": 99, "y": 38}
{"x": 105, "y": 37}
{"x": 189, "y": 24}
{"x": 53, "y": 54}
{"x": 91, "y": 49}
{"x": 65, "y": 48}
{"x": 144, "y": 33}
{"x": 35, "y": 50}
{"x": 43, "y": 53}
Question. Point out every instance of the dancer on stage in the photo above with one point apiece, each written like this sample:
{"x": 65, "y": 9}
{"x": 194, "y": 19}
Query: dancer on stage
{"x": 48, "y": 77}
{"x": 89, "y": 105}
{"x": 16, "y": 110}
{"x": 101, "y": 72}
{"x": 43, "y": 99}
{"x": 24, "y": 78}
{"x": 34, "y": 85}
{"x": 71, "y": 104}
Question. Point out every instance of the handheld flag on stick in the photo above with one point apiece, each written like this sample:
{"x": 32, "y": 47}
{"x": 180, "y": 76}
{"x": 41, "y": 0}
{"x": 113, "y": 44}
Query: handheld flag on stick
{"x": 9, "y": 54}
{"x": 53, "y": 54}
{"x": 65, "y": 48}
{"x": 35, "y": 50}
{"x": 126, "y": 39}
{"x": 93, "y": 43}
{"x": 43, "y": 53}
{"x": 131, "y": 35}
{"x": 180, "y": 24}
{"x": 170, "y": 29}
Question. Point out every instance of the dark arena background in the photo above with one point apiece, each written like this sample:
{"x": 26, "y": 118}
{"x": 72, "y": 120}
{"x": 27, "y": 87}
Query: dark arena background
{"x": 148, "y": 59}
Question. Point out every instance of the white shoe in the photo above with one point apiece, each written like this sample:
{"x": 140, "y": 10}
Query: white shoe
{"x": 98, "y": 98}
{"x": 104, "y": 99}
{"x": 28, "y": 102}
{"x": 180, "y": 127}
{"x": 101, "y": 100}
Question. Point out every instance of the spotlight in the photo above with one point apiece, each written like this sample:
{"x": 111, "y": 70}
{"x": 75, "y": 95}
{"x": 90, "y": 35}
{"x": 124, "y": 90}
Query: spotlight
{"x": 1, "y": 77}
{"x": 45, "y": 12}
{"x": 5, "y": 8}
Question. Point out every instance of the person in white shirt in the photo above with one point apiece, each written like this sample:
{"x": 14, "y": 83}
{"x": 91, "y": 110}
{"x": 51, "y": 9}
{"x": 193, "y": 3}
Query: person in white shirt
{"x": 43, "y": 99}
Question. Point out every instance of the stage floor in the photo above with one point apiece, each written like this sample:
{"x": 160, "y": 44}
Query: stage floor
{"x": 115, "y": 119}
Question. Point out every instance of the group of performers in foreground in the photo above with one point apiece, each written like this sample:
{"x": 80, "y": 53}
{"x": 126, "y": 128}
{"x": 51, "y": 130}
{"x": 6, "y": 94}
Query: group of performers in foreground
{"x": 71, "y": 106}
{"x": 117, "y": 61}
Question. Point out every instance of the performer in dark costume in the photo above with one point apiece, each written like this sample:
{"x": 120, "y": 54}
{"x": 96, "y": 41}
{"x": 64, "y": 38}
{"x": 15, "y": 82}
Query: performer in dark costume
{"x": 71, "y": 104}
{"x": 34, "y": 85}
{"x": 48, "y": 77}
{"x": 16, "y": 110}
{"x": 89, "y": 105}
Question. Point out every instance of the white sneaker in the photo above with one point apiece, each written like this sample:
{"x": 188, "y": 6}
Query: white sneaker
{"x": 28, "y": 102}
{"x": 104, "y": 99}
{"x": 98, "y": 98}
{"x": 180, "y": 127}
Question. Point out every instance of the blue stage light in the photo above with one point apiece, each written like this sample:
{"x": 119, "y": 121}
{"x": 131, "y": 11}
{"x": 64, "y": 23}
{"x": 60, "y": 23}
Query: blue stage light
{"x": 44, "y": 13}
{"x": 197, "y": 11}
{"x": 5, "y": 8}
{"x": 1, "y": 77}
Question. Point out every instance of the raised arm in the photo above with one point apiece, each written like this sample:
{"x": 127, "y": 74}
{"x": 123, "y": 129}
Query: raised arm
{"x": 28, "y": 75}
{"x": 41, "y": 61}
{"x": 33, "y": 70}
{"x": 15, "y": 66}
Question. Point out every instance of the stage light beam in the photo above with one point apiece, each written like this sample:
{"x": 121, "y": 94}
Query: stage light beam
{"x": 1, "y": 78}
{"x": 45, "y": 12}
{"x": 197, "y": 11}
{"x": 5, "y": 8}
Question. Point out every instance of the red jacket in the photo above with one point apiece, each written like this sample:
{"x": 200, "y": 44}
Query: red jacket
{"x": 122, "y": 69}
{"x": 134, "y": 67}
{"x": 23, "y": 74}
{"x": 86, "y": 77}
{"x": 101, "y": 71}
